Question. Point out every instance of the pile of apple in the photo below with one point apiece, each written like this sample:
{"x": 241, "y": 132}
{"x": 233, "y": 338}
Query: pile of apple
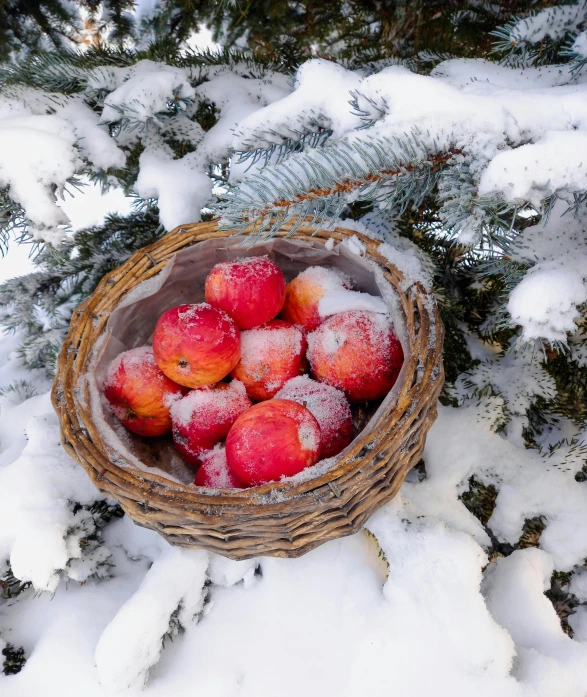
{"x": 210, "y": 361}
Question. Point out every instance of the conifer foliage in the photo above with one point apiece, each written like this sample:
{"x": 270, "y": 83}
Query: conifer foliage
{"x": 455, "y": 135}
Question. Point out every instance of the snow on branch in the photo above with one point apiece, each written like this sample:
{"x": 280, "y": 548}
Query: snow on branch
{"x": 489, "y": 148}
{"x": 132, "y": 643}
{"x": 535, "y": 171}
{"x": 111, "y": 108}
{"x": 553, "y": 22}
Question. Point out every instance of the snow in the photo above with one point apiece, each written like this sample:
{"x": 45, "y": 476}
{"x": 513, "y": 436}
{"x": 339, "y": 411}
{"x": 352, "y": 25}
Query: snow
{"x": 181, "y": 190}
{"x": 327, "y": 279}
{"x": 462, "y": 72}
{"x": 135, "y": 361}
{"x": 182, "y": 186}
{"x": 247, "y": 270}
{"x": 335, "y": 605}
{"x": 462, "y": 443}
{"x": 537, "y": 170}
{"x": 547, "y": 659}
{"x": 354, "y": 245}
{"x": 37, "y": 482}
{"x": 211, "y": 405}
{"x": 35, "y": 153}
{"x": 438, "y": 616}
{"x": 578, "y": 586}
{"x": 93, "y": 140}
{"x": 328, "y": 405}
{"x": 554, "y": 22}
{"x": 260, "y": 345}
{"x": 578, "y": 623}
{"x": 214, "y": 472}
{"x": 318, "y": 82}
{"x": 43, "y": 139}
{"x": 369, "y": 329}
{"x": 345, "y": 300}
{"x": 131, "y": 643}
{"x": 409, "y": 263}
{"x": 518, "y": 135}
{"x": 415, "y": 265}
{"x": 46, "y": 139}
{"x": 145, "y": 90}
{"x": 546, "y": 301}
{"x": 237, "y": 97}
{"x": 308, "y": 437}
{"x": 519, "y": 377}
{"x": 580, "y": 45}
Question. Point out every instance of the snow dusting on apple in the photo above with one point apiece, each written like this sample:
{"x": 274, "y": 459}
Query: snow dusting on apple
{"x": 196, "y": 345}
{"x": 306, "y": 290}
{"x": 358, "y": 352}
{"x": 204, "y": 417}
{"x": 273, "y": 439}
{"x": 215, "y": 473}
{"x": 330, "y": 407}
{"x": 250, "y": 289}
{"x": 210, "y": 362}
{"x": 140, "y": 395}
{"x": 270, "y": 356}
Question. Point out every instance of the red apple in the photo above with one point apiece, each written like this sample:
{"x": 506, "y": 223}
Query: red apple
{"x": 251, "y": 290}
{"x": 358, "y": 352}
{"x": 204, "y": 417}
{"x": 215, "y": 472}
{"x": 303, "y": 294}
{"x": 274, "y": 439}
{"x": 270, "y": 356}
{"x": 329, "y": 406}
{"x": 139, "y": 394}
{"x": 196, "y": 345}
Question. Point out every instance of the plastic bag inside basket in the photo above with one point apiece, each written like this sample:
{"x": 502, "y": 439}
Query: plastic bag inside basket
{"x": 132, "y": 324}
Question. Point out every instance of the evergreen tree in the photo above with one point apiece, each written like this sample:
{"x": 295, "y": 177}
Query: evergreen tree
{"x": 453, "y": 133}
{"x": 188, "y": 131}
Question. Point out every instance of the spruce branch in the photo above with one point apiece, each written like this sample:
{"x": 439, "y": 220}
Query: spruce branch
{"x": 13, "y": 659}
{"x": 542, "y": 37}
{"x": 68, "y": 71}
{"x": 394, "y": 173}
{"x": 277, "y": 152}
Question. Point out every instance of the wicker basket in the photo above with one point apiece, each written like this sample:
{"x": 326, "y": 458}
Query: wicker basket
{"x": 278, "y": 519}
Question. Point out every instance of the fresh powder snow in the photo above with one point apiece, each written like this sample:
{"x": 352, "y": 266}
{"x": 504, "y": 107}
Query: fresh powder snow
{"x": 414, "y": 604}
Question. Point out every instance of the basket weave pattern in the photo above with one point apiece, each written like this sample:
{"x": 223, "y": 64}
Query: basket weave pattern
{"x": 278, "y": 519}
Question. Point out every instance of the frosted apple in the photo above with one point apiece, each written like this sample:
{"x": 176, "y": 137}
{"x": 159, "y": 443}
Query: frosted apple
{"x": 330, "y": 408}
{"x": 139, "y": 393}
{"x": 303, "y": 294}
{"x": 270, "y": 356}
{"x": 215, "y": 473}
{"x": 251, "y": 290}
{"x": 274, "y": 439}
{"x": 358, "y": 352}
{"x": 196, "y": 345}
{"x": 204, "y": 417}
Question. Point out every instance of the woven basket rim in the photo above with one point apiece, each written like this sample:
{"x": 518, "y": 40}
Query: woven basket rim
{"x": 274, "y": 495}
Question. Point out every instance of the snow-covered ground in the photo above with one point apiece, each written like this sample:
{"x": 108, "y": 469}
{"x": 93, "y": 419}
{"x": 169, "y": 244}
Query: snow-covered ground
{"x": 330, "y": 623}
